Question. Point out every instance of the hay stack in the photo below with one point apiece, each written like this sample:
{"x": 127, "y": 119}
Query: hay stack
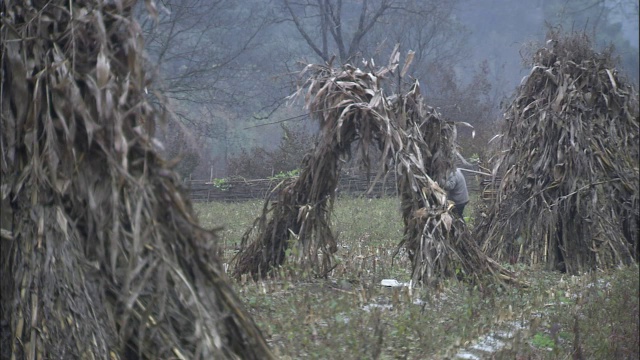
{"x": 438, "y": 242}
{"x": 102, "y": 256}
{"x": 427, "y": 154}
{"x": 351, "y": 108}
{"x": 343, "y": 103}
{"x": 568, "y": 198}
{"x": 303, "y": 211}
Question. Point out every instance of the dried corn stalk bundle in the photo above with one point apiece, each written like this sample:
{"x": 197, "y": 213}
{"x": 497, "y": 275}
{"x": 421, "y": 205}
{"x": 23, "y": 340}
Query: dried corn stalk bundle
{"x": 569, "y": 166}
{"x": 439, "y": 244}
{"x": 351, "y": 108}
{"x": 102, "y": 256}
{"x": 302, "y": 211}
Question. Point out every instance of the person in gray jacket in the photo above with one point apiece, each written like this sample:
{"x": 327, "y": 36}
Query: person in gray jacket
{"x": 456, "y": 188}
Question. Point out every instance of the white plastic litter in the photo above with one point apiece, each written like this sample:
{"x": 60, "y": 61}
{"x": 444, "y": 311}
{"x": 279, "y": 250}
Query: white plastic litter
{"x": 390, "y": 282}
{"x": 393, "y": 283}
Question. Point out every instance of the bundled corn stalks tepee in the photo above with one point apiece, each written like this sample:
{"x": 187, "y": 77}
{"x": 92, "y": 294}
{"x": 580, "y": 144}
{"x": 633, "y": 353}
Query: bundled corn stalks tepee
{"x": 347, "y": 113}
{"x": 568, "y": 198}
{"x": 351, "y": 108}
{"x": 102, "y": 256}
{"x": 438, "y": 243}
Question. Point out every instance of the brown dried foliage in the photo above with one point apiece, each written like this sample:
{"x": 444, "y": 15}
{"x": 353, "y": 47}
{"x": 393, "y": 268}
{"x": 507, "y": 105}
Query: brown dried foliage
{"x": 438, "y": 242}
{"x": 569, "y": 158}
{"x": 303, "y": 206}
{"x": 351, "y": 108}
{"x": 102, "y": 256}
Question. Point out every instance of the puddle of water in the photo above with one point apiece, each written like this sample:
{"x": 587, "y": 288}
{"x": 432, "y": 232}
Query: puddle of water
{"x": 370, "y": 307}
{"x": 504, "y": 334}
{"x": 492, "y": 343}
{"x": 518, "y": 325}
{"x": 466, "y": 355}
{"x": 489, "y": 344}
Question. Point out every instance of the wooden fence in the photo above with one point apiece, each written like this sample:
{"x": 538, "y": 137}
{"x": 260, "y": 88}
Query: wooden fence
{"x": 237, "y": 190}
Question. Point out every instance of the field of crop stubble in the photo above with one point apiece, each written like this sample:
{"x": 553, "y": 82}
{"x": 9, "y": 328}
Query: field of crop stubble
{"x": 351, "y": 316}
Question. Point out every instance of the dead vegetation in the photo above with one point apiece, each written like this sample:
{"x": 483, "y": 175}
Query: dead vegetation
{"x": 102, "y": 256}
{"x": 439, "y": 244}
{"x": 342, "y": 102}
{"x": 568, "y": 198}
{"x": 352, "y": 109}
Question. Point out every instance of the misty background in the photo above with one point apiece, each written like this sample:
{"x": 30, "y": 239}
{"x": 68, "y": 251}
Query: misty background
{"x": 227, "y": 66}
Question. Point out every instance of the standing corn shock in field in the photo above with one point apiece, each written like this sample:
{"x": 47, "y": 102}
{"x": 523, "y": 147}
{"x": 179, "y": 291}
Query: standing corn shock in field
{"x": 351, "y": 108}
{"x": 102, "y": 255}
{"x": 569, "y": 198}
{"x": 457, "y": 192}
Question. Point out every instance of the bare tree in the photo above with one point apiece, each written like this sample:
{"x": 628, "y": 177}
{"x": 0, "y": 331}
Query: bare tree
{"x": 348, "y": 29}
{"x": 328, "y": 26}
{"x": 198, "y": 45}
{"x": 429, "y": 28}
{"x": 203, "y": 53}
